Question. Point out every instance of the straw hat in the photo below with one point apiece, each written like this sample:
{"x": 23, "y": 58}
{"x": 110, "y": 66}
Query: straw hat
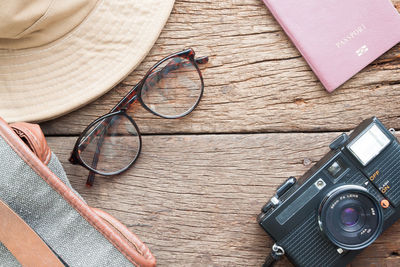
{"x": 58, "y": 55}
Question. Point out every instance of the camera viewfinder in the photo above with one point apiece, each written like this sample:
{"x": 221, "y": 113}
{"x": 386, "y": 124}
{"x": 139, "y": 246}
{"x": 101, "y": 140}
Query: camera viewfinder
{"x": 336, "y": 168}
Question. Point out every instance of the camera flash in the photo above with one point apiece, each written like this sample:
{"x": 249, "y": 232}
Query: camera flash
{"x": 368, "y": 145}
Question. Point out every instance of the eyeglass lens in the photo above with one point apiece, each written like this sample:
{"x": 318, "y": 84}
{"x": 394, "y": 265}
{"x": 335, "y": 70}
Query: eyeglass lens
{"x": 173, "y": 88}
{"x": 110, "y": 145}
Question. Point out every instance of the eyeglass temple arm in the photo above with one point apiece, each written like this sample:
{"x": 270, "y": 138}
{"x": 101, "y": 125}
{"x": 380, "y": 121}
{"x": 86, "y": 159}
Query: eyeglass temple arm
{"x": 201, "y": 60}
{"x": 92, "y": 174}
{"x": 106, "y": 124}
{"x": 173, "y": 65}
{"x": 90, "y": 179}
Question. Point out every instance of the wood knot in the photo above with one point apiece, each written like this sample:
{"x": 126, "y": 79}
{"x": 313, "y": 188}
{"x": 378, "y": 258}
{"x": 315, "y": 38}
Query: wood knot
{"x": 307, "y": 162}
{"x": 300, "y": 101}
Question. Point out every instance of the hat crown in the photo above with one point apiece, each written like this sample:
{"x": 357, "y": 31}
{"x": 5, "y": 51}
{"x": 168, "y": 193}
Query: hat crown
{"x": 19, "y": 15}
{"x": 31, "y": 23}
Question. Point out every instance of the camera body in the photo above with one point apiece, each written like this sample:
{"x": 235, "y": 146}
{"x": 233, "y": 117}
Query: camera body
{"x": 342, "y": 204}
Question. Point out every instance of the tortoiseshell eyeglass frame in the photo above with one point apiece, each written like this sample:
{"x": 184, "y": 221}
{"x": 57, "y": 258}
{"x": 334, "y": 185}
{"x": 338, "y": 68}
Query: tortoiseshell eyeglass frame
{"x": 121, "y": 108}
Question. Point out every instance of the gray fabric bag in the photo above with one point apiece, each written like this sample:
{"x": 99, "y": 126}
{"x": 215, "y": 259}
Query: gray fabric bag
{"x": 34, "y": 185}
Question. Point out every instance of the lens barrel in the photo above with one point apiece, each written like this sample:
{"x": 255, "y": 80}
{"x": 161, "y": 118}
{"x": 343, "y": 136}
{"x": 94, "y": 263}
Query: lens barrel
{"x": 350, "y": 217}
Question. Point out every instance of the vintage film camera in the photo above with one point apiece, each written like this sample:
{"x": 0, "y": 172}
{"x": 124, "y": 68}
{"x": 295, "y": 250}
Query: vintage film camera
{"x": 342, "y": 204}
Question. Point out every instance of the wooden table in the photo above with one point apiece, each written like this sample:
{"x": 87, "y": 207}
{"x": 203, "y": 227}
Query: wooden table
{"x": 195, "y": 192}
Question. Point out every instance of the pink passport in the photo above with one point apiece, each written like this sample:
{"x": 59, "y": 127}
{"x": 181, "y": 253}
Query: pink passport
{"x": 338, "y": 38}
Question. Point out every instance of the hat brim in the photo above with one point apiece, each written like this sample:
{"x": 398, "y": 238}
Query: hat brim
{"x": 46, "y": 82}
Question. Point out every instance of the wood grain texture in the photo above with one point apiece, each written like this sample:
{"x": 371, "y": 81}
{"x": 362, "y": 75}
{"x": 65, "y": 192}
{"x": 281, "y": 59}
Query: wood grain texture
{"x": 194, "y": 198}
{"x": 195, "y": 192}
{"x": 256, "y": 80}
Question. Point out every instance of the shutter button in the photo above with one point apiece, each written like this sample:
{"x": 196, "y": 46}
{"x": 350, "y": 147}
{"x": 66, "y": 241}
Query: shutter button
{"x": 339, "y": 141}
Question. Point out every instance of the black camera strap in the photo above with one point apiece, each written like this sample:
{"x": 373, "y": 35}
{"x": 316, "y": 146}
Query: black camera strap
{"x": 276, "y": 254}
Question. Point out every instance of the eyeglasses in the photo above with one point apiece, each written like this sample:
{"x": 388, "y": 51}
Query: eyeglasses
{"x": 171, "y": 89}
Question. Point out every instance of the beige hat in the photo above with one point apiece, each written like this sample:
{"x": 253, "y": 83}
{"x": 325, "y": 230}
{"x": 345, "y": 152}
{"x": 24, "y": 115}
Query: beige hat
{"x": 58, "y": 55}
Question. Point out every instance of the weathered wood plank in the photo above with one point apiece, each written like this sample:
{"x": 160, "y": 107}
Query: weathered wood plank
{"x": 194, "y": 198}
{"x": 256, "y": 80}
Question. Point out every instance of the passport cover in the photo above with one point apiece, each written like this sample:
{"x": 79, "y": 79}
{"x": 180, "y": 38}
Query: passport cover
{"x": 338, "y": 38}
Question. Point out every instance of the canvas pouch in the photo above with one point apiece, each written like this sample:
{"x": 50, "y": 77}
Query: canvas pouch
{"x": 35, "y": 187}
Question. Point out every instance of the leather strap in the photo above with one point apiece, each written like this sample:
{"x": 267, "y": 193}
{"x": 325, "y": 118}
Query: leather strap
{"x": 33, "y": 136}
{"x": 26, "y": 246}
{"x": 145, "y": 259}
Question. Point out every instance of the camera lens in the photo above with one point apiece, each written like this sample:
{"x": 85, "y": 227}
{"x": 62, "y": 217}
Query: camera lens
{"x": 350, "y": 217}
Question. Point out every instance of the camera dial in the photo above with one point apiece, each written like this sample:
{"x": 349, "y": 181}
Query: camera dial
{"x": 350, "y": 217}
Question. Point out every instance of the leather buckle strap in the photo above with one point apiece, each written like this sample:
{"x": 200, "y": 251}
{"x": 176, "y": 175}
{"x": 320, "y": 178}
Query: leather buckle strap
{"x": 23, "y": 242}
